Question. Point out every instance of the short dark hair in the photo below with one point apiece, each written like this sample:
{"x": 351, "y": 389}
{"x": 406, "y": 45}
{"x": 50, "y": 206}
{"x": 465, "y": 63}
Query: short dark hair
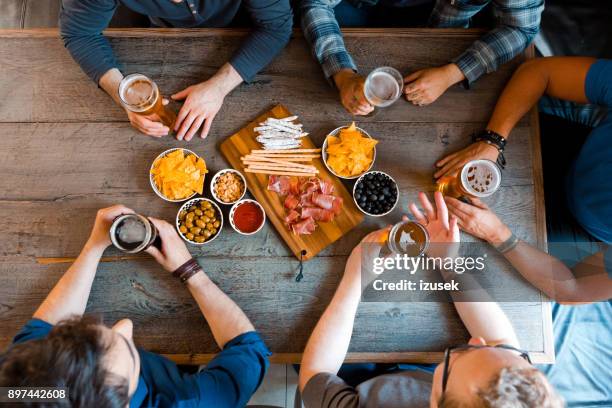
{"x": 71, "y": 356}
{"x": 511, "y": 387}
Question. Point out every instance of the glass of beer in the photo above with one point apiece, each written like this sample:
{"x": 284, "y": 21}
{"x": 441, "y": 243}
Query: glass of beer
{"x": 477, "y": 179}
{"x": 133, "y": 233}
{"x": 408, "y": 238}
{"x": 383, "y": 86}
{"x": 139, "y": 94}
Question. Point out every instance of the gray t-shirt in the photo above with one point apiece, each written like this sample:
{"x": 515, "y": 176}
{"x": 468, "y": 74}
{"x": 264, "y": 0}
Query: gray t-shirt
{"x": 406, "y": 389}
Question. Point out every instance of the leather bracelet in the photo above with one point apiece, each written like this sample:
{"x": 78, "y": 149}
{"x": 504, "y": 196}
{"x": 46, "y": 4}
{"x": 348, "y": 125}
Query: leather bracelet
{"x": 187, "y": 270}
{"x": 493, "y": 139}
{"x": 508, "y": 245}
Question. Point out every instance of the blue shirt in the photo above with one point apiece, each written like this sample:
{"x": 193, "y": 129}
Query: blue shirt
{"x": 82, "y": 21}
{"x": 589, "y": 183}
{"x": 228, "y": 380}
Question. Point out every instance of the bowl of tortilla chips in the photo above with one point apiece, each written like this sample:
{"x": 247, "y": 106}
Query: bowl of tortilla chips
{"x": 349, "y": 152}
{"x": 177, "y": 175}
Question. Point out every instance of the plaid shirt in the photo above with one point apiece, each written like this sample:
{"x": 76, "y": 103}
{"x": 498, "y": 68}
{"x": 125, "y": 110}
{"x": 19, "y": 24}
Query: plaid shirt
{"x": 518, "y": 22}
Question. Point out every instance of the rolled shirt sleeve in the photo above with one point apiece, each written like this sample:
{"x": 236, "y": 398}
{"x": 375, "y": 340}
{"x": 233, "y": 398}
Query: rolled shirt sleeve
{"x": 518, "y": 22}
{"x": 323, "y": 34}
{"x": 272, "y": 21}
{"x": 81, "y": 25}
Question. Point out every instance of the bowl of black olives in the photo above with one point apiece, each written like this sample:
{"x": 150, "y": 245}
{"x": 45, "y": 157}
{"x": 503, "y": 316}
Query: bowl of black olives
{"x": 376, "y": 193}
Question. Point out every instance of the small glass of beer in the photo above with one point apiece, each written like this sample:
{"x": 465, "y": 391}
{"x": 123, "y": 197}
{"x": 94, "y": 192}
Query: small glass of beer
{"x": 133, "y": 233}
{"x": 139, "y": 94}
{"x": 477, "y": 179}
{"x": 383, "y": 86}
{"x": 408, "y": 238}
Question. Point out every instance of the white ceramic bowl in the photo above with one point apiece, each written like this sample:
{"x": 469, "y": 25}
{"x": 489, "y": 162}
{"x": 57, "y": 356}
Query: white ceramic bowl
{"x": 324, "y": 153}
{"x": 216, "y": 178}
{"x": 154, "y": 186}
{"x": 233, "y": 210}
{"x": 186, "y": 207}
{"x": 396, "y": 189}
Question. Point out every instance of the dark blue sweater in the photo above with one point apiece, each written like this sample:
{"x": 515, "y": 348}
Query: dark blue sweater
{"x": 82, "y": 22}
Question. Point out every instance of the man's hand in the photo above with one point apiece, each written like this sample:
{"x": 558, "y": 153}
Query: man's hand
{"x": 99, "y": 237}
{"x": 202, "y": 102}
{"x": 478, "y": 220}
{"x": 173, "y": 253}
{"x": 350, "y": 84}
{"x": 149, "y": 125}
{"x": 368, "y": 249}
{"x": 441, "y": 229}
{"x": 426, "y": 85}
{"x": 452, "y": 163}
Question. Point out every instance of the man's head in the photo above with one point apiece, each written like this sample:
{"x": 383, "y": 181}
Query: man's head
{"x": 99, "y": 365}
{"x": 490, "y": 377}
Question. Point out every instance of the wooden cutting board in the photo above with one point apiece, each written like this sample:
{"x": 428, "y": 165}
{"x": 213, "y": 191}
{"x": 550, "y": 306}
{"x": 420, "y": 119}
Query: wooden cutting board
{"x": 241, "y": 144}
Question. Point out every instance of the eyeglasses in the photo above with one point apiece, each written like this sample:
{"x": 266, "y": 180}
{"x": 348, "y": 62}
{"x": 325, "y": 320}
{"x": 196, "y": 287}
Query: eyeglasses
{"x": 464, "y": 347}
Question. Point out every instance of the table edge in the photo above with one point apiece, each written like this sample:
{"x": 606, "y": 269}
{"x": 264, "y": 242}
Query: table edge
{"x": 212, "y": 32}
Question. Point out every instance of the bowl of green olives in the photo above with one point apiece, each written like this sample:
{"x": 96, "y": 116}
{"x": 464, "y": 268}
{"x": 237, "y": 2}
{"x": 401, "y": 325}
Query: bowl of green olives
{"x": 199, "y": 221}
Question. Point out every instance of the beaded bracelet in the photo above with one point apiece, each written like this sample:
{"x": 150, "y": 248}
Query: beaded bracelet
{"x": 508, "y": 245}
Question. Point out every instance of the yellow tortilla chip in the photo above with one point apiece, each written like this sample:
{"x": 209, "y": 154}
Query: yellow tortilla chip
{"x": 350, "y": 153}
{"x": 178, "y": 176}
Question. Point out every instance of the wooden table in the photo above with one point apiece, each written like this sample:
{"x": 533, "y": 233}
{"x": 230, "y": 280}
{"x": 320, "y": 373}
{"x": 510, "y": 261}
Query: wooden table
{"x": 68, "y": 150}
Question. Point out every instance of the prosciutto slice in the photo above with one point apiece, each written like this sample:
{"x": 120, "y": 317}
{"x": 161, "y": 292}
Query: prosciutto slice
{"x": 291, "y": 202}
{"x": 306, "y": 226}
{"x": 307, "y": 201}
{"x": 317, "y": 214}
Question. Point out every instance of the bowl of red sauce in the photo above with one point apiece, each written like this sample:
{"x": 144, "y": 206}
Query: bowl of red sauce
{"x": 247, "y": 217}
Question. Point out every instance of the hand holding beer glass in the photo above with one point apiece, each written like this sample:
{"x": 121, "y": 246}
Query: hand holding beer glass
{"x": 383, "y": 87}
{"x": 145, "y": 106}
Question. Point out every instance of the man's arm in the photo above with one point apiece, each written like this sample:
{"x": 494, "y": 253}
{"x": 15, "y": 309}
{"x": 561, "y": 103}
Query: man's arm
{"x": 322, "y": 33}
{"x": 518, "y": 22}
{"x": 330, "y": 339}
{"x": 69, "y": 296}
{"x": 559, "y": 77}
{"x": 224, "y": 316}
{"x": 588, "y": 282}
{"x": 81, "y": 24}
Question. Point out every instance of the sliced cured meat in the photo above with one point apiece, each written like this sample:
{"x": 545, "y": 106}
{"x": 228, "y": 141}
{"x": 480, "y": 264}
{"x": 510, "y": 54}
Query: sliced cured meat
{"x": 318, "y": 214}
{"x": 337, "y": 205}
{"x": 306, "y": 226}
{"x": 310, "y": 186}
{"x": 326, "y": 187}
{"x": 291, "y": 202}
{"x": 294, "y": 186}
{"x": 323, "y": 200}
{"x": 292, "y": 217}
{"x": 306, "y": 200}
{"x": 279, "y": 184}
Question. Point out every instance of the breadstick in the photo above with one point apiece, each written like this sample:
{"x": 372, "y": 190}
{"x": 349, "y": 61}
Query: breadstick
{"x": 268, "y": 158}
{"x": 274, "y": 151}
{"x": 282, "y": 167}
{"x": 277, "y": 162}
{"x": 279, "y": 173}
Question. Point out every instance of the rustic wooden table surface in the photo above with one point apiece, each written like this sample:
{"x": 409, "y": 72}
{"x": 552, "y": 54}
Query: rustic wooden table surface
{"x": 67, "y": 150}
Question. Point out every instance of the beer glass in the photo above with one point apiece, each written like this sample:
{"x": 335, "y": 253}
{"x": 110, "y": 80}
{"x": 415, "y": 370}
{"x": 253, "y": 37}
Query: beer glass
{"x": 133, "y": 233}
{"x": 477, "y": 179}
{"x": 139, "y": 94}
{"x": 383, "y": 87}
{"x": 408, "y": 238}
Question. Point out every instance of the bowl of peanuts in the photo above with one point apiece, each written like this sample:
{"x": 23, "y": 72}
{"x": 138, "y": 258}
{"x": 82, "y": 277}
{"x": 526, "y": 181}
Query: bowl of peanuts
{"x": 228, "y": 186}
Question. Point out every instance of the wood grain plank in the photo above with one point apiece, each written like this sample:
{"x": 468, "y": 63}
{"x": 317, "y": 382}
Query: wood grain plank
{"x": 303, "y": 247}
{"x": 167, "y": 319}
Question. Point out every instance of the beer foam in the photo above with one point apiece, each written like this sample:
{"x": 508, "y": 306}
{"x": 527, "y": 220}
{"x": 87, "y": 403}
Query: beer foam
{"x": 138, "y": 92}
{"x": 481, "y": 177}
{"x": 131, "y": 231}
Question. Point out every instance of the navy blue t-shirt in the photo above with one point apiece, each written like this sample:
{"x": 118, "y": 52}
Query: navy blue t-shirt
{"x": 228, "y": 380}
{"x": 589, "y": 183}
